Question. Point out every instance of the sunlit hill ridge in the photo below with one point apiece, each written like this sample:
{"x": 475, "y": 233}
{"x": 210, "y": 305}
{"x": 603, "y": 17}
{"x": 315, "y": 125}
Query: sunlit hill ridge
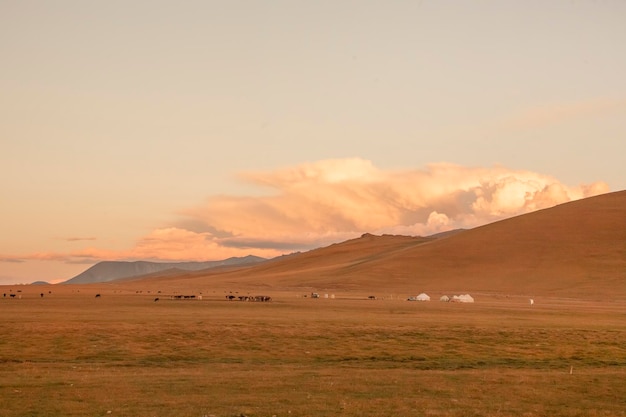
{"x": 577, "y": 249}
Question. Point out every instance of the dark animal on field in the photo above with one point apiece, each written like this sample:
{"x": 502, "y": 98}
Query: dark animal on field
{"x": 230, "y": 297}
{"x": 12, "y": 295}
{"x": 156, "y": 299}
{"x": 41, "y": 295}
{"x": 97, "y": 295}
{"x": 372, "y": 297}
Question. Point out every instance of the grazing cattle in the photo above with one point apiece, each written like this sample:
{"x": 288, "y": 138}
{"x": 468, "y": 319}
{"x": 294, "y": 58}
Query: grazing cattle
{"x": 230, "y": 297}
{"x": 156, "y": 299}
{"x": 182, "y": 297}
{"x": 41, "y": 295}
{"x": 97, "y": 295}
{"x": 12, "y": 295}
{"x": 372, "y": 297}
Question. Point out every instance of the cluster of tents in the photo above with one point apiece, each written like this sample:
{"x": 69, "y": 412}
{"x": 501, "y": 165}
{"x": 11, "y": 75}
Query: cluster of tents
{"x": 463, "y": 298}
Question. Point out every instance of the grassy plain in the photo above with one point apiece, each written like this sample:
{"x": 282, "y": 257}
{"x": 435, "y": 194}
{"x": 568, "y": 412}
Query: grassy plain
{"x": 70, "y": 354}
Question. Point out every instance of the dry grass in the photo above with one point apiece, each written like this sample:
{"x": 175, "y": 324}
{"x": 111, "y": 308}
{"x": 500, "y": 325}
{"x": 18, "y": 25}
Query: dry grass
{"x": 68, "y": 354}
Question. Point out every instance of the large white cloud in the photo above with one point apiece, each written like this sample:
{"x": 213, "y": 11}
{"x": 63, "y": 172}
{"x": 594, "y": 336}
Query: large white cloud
{"x": 325, "y": 201}
{"x": 315, "y": 204}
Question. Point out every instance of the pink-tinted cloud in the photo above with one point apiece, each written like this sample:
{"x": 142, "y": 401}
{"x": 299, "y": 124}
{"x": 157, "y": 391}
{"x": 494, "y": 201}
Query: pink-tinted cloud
{"x": 315, "y": 204}
{"x": 166, "y": 244}
{"x": 327, "y": 201}
{"x": 561, "y": 112}
{"x": 77, "y": 239}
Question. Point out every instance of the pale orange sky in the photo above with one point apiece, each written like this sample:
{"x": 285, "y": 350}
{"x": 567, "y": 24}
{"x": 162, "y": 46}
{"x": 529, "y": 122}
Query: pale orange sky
{"x": 202, "y": 130}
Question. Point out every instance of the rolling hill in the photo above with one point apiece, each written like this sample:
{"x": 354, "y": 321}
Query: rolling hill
{"x": 577, "y": 249}
{"x": 113, "y": 270}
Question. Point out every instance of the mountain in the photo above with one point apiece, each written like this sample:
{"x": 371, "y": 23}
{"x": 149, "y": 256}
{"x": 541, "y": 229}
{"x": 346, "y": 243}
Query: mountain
{"x": 576, "y": 249}
{"x": 113, "y": 270}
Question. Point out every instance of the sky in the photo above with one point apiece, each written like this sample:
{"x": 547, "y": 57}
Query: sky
{"x": 200, "y": 130}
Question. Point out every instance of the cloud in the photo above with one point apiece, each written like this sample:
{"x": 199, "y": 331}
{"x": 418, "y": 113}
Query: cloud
{"x": 77, "y": 239}
{"x": 15, "y": 260}
{"x": 319, "y": 203}
{"x": 327, "y": 201}
{"x": 561, "y": 112}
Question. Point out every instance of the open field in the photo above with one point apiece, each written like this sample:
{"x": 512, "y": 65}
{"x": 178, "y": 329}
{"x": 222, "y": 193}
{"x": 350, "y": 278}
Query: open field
{"x": 70, "y": 354}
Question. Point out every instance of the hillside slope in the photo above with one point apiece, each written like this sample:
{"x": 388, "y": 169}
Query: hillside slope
{"x": 577, "y": 249}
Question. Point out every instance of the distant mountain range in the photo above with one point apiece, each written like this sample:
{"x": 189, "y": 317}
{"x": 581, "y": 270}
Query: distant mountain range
{"x": 113, "y": 270}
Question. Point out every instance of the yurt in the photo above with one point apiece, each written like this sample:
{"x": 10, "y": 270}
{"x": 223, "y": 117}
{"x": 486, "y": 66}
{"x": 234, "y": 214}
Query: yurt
{"x": 422, "y": 297}
{"x": 464, "y": 298}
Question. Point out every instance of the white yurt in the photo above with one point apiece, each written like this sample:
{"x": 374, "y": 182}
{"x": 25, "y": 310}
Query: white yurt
{"x": 463, "y": 298}
{"x": 422, "y": 297}
{"x": 444, "y": 298}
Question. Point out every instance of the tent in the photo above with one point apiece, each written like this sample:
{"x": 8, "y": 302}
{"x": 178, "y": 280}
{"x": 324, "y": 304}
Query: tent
{"x": 422, "y": 297}
{"x": 464, "y": 298}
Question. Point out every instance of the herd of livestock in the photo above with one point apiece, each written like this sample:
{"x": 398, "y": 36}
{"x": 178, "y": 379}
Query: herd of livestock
{"x": 465, "y": 298}
{"x": 229, "y": 297}
{"x": 260, "y": 298}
